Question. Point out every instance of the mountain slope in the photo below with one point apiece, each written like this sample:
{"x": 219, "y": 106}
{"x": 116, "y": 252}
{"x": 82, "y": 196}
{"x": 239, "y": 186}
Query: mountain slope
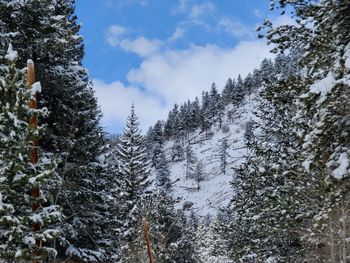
{"x": 215, "y": 191}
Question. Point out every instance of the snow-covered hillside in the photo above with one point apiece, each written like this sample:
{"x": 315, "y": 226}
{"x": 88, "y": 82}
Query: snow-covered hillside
{"x": 215, "y": 191}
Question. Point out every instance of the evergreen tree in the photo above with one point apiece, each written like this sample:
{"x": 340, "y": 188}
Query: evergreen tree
{"x": 177, "y": 150}
{"x": 163, "y": 173}
{"x": 321, "y": 33}
{"x": 133, "y": 180}
{"x": 198, "y": 174}
{"x": 47, "y": 32}
{"x": 224, "y": 155}
{"x": 171, "y": 236}
{"x": 190, "y": 160}
{"x": 227, "y": 92}
{"x": 205, "y": 113}
{"x": 19, "y": 176}
{"x": 239, "y": 92}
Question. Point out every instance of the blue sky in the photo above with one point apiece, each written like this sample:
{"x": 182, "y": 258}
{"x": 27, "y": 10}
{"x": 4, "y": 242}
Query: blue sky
{"x": 158, "y": 52}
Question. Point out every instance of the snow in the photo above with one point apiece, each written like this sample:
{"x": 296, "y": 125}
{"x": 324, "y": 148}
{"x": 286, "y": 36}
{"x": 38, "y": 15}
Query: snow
{"x": 1, "y": 203}
{"x": 29, "y": 240}
{"x": 11, "y": 54}
{"x": 36, "y": 88}
{"x": 216, "y": 191}
{"x": 322, "y": 87}
{"x": 342, "y": 170}
{"x": 347, "y": 56}
{"x": 18, "y": 253}
{"x": 18, "y": 177}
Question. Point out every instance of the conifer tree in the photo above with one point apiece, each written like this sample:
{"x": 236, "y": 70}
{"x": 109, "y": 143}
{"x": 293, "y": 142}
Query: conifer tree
{"x": 47, "y": 32}
{"x": 133, "y": 178}
{"x": 190, "y": 160}
{"x": 224, "y": 155}
{"x": 198, "y": 174}
{"x": 321, "y": 32}
{"x": 177, "y": 150}
{"x": 163, "y": 173}
{"x": 19, "y": 175}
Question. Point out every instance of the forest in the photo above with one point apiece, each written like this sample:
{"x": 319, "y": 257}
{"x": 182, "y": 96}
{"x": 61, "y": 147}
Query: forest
{"x": 255, "y": 171}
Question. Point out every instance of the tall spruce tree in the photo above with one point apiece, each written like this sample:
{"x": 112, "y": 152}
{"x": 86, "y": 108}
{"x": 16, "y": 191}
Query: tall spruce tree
{"x": 133, "y": 178}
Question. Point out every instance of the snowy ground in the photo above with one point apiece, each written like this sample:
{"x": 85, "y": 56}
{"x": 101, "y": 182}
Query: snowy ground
{"x": 216, "y": 190}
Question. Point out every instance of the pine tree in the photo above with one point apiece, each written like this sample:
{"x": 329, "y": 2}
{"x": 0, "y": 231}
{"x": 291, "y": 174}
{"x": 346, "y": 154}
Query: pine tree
{"x": 134, "y": 173}
{"x": 177, "y": 150}
{"x": 227, "y": 92}
{"x": 163, "y": 173}
{"x": 47, "y": 32}
{"x": 322, "y": 34}
{"x": 171, "y": 236}
{"x": 198, "y": 174}
{"x": 224, "y": 155}
{"x": 205, "y": 113}
{"x": 19, "y": 176}
{"x": 239, "y": 92}
{"x": 190, "y": 160}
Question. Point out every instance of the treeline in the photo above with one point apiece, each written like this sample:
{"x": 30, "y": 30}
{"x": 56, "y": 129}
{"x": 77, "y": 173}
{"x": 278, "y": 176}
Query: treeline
{"x": 208, "y": 111}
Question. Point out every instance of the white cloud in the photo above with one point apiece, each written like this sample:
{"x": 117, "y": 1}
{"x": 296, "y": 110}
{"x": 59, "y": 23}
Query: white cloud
{"x": 141, "y": 46}
{"x": 114, "y": 33}
{"x": 235, "y": 28}
{"x": 122, "y": 3}
{"x": 173, "y": 76}
{"x": 176, "y": 75}
{"x": 201, "y": 9}
{"x": 116, "y": 99}
{"x": 179, "y": 33}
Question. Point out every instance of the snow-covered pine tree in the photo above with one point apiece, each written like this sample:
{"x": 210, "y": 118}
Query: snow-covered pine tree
{"x": 18, "y": 175}
{"x": 239, "y": 92}
{"x": 268, "y": 185}
{"x": 198, "y": 174}
{"x": 205, "y": 116}
{"x": 163, "y": 173}
{"x": 133, "y": 178}
{"x": 227, "y": 92}
{"x": 210, "y": 243}
{"x": 322, "y": 32}
{"x": 47, "y": 32}
{"x": 157, "y": 143}
{"x": 224, "y": 155}
{"x": 214, "y": 99}
{"x": 177, "y": 150}
{"x": 172, "y": 238}
{"x": 190, "y": 160}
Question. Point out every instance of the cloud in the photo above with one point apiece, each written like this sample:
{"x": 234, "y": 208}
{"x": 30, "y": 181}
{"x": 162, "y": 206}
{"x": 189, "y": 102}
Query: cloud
{"x": 122, "y": 3}
{"x": 173, "y": 76}
{"x": 179, "y": 33}
{"x": 199, "y": 10}
{"x": 176, "y": 75}
{"x": 141, "y": 46}
{"x": 115, "y": 100}
{"x": 114, "y": 33}
{"x": 235, "y": 28}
